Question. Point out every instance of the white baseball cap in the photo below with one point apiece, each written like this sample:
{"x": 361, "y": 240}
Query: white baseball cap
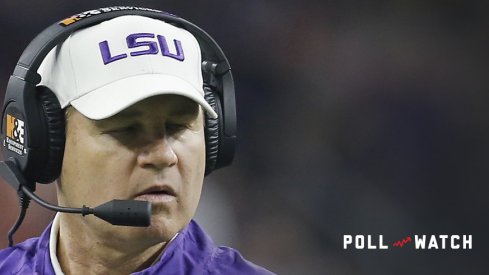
{"x": 106, "y": 68}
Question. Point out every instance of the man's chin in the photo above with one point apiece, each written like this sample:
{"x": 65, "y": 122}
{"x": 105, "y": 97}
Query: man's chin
{"x": 164, "y": 227}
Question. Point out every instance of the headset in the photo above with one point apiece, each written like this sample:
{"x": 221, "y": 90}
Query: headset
{"x": 33, "y": 123}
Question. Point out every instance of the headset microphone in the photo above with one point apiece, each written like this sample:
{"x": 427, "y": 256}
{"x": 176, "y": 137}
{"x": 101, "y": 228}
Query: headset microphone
{"x": 116, "y": 212}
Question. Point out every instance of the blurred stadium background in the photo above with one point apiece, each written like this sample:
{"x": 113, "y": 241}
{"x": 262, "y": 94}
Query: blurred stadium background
{"x": 355, "y": 117}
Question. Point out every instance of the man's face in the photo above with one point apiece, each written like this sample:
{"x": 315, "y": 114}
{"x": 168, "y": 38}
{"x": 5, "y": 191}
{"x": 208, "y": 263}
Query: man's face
{"x": 153, "y": 150}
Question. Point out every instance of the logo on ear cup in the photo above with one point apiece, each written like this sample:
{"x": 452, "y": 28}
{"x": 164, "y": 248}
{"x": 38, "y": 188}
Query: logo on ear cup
{"x": 14, "y": 137}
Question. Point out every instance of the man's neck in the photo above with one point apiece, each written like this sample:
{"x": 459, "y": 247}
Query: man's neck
{"x": 80, "y": 252}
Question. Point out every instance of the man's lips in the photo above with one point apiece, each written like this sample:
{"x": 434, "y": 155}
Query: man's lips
{"x": 157, "y": 193}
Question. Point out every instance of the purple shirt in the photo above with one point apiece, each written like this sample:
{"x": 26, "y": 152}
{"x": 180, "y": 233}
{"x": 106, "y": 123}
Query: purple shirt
{"x": 191, "y": 252}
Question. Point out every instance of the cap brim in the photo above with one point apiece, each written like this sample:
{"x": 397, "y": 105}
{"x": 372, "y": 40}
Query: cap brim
{"x": 114, "y": 97}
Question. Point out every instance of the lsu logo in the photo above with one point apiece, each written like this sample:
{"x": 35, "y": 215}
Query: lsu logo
{"x": 15, "y": 135}
{"x": 149, "y": 45}
{"x": 15, "y": 129}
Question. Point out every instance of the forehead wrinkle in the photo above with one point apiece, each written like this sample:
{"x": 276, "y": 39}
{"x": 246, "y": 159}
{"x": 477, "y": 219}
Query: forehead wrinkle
{"x": 124, "y": 114}
{"x": 185, "y": 110}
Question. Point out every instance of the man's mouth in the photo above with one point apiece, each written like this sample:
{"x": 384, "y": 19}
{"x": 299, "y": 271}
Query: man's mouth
{"x": 157, "y": 194}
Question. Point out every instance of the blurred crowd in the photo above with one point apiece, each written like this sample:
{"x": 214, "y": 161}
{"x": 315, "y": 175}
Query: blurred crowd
{"x": 353, "y": 118}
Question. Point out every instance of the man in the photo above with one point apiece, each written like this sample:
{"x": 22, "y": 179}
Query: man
{"x": 134, "y": 131}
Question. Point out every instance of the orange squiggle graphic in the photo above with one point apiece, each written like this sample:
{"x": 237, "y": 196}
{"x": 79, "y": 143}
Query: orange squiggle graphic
{"x": 402, "y": 242}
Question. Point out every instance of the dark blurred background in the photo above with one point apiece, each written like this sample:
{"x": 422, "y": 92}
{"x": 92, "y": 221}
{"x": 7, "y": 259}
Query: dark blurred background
{"x": 354, "y": 118}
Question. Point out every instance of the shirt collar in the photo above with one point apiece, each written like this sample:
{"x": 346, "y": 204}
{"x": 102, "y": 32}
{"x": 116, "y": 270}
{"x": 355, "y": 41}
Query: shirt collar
{"x": 53, "y": 244}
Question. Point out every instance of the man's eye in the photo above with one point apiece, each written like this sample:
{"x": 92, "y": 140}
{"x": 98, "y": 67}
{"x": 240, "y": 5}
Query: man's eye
{"x": 175, "y": 127}
{"x": 126, "y": 129}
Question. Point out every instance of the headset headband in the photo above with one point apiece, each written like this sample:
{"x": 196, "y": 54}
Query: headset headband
{"x": 37, "y": 50}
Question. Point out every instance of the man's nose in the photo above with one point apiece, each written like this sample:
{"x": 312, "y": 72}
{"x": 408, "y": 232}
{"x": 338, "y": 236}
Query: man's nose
{"x": 157, "y": 154}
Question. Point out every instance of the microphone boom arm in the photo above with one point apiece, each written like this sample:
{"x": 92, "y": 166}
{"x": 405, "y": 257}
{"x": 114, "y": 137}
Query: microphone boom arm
{"x": 116, "y": 212}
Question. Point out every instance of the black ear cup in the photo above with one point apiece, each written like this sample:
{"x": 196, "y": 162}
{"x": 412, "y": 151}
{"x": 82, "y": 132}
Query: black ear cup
{"x": 212, "y": 130}
{"x": 53, "y": 118}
